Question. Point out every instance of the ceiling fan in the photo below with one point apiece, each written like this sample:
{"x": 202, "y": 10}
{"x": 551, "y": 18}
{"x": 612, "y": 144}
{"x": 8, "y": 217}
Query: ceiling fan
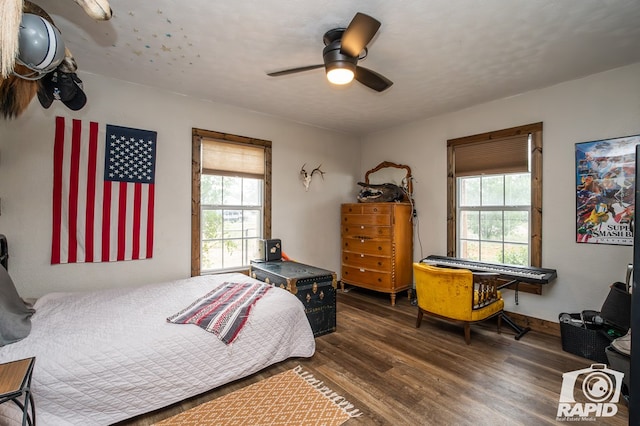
{"x": 344, "y": 47}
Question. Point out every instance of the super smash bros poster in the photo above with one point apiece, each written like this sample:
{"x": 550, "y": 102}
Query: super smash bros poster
{"x": 605, "y": 190}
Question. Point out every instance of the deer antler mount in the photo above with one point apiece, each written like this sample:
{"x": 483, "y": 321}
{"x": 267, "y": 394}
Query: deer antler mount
{"x": 306, "y": 177}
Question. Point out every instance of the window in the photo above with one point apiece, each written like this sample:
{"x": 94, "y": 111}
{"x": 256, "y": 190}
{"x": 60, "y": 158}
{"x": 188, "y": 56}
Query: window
{"x": 493, "y": 218}
{"x": 495, "y": 196}
{"x": 231, "y": 200}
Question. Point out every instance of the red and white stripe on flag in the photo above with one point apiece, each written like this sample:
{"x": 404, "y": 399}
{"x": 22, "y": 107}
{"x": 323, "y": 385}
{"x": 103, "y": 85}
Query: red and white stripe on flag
{"x": 98, "y": 216}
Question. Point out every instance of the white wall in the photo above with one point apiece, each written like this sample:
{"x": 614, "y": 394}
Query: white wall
{"x": 307, "y": 222}
{"x": 601, "y": 106}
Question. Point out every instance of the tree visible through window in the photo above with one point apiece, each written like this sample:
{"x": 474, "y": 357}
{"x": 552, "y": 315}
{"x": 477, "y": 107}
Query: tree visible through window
{"x": 231, "y": 221}
{"x": 231, "y": 200}
{"x": 493, "y": 218}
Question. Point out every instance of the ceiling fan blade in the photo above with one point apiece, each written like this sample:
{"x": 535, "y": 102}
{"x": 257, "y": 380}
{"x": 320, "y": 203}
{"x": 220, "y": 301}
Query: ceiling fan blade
{"x": 358, "y": 34}
{"x": 372, "y": 79}
{"x": 294, "y": 70}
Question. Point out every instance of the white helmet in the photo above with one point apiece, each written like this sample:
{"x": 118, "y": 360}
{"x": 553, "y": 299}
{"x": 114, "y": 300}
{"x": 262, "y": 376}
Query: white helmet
{"x": 41, "y": 46}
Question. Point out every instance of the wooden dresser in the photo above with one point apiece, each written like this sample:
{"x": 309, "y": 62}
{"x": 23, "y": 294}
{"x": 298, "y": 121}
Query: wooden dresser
{"x": 377, "y": 247}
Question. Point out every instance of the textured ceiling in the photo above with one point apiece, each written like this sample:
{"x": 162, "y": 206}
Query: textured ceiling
{"x": 442, "y": 55}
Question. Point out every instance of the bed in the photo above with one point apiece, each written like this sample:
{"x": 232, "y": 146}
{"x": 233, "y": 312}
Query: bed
{"x": 105, "y": 356}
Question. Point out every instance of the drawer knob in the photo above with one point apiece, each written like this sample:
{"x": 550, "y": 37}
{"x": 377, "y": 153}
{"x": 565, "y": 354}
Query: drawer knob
{"x": 362, "y": 241}
{"x": 362, "y": 255}
{"x": 361, "y": 269}
{"x": 361, "y": 226}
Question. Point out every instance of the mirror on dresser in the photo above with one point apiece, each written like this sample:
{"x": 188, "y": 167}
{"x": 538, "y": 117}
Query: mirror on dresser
{"x": 388, "y": 172}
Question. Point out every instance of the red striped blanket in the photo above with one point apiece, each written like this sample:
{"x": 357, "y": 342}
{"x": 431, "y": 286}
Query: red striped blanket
{"x": 224, "y": 310}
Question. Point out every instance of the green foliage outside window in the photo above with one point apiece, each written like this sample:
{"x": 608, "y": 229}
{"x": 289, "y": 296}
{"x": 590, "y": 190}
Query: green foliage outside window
{"x": 493, "y": 218}
{"x": 231, "y": 220}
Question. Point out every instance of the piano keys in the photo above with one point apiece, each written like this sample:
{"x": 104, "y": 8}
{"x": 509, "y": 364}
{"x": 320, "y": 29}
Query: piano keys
{"x": 525, "y": 274}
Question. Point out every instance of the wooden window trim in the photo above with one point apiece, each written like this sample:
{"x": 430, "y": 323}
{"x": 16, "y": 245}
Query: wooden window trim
{"x": 196, "y": 170}
{"x": 535, "y": 130}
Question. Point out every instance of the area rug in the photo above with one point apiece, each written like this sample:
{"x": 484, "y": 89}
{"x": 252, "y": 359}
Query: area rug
{"x": 294, "y": 397}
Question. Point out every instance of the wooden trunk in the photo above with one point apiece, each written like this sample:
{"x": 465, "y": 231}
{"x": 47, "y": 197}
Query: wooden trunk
{"x": 377, "y": 246}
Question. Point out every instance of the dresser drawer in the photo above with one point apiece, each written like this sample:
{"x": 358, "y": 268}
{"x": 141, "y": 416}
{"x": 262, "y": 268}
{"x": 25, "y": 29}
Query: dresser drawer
{"x": 366, "y": 219}
{"x": 367, "y": 231}
{"x": 366, "y": 208}
{"x": 366, "y": 277}
{"x": 367, "y": 246}
{"x": 350, "y": 209}
{"x": 367, "y": 261}
{"x": 376, "y": 208}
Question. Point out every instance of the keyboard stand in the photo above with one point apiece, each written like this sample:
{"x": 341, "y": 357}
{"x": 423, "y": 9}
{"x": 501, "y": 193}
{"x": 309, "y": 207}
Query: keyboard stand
{"x": 519, "y": 330}
{"x": 512, "y": 282}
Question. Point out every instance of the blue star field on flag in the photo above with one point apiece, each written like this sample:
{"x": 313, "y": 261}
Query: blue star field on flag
{"x": 130, "y": 155}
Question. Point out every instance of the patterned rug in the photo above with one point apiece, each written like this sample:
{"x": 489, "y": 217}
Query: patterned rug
{"x": 294, "y": 397}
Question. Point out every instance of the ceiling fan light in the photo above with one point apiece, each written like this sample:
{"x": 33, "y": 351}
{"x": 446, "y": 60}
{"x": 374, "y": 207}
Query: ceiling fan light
{"x": 340, "y": 75}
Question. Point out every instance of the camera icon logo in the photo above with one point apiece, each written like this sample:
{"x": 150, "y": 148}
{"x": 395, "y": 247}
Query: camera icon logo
{"x": 597, "y": 390}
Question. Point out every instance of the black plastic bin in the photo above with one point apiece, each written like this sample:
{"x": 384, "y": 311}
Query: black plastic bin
{"x": 587, "y": 334}
{"x": 585, "y": 340}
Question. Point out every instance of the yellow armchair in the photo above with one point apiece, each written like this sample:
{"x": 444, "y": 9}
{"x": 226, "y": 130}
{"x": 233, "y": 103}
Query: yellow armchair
{"x": 457, "y": 294}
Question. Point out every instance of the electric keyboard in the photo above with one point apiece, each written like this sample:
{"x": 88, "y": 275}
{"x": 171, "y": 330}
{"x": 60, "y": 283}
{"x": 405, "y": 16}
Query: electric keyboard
{"x": 526, "y": 274}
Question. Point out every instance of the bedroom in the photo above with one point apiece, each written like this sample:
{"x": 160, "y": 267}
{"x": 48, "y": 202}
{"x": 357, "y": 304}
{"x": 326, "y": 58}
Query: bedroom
{"x": 602, "y": 105}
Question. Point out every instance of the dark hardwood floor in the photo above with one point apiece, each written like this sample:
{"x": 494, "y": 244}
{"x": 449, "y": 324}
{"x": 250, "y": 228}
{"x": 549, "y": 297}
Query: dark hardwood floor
{"x": 399, "y": 375}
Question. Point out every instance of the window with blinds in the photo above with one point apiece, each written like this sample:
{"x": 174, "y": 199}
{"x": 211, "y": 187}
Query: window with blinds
{"x": 230, "y": 202}
{"x": 507, "y": 155}
{"x": 232, "y": 159}
{"x": 493, "y": 196}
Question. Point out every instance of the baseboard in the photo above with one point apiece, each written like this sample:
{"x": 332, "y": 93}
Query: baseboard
{"x": 536, "y": 324}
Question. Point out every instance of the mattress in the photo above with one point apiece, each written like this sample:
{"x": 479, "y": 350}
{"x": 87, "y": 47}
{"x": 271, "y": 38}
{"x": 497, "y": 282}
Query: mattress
{"x": 105, "y": 356}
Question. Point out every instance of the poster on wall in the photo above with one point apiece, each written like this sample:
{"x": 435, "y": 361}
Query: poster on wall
{"x": 605, "y": 190}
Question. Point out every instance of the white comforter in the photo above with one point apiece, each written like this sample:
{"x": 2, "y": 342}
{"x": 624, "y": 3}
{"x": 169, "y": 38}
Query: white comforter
{"x": 105, "y": 356}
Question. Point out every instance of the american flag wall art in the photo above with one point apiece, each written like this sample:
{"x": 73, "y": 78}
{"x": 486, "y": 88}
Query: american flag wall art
{"x": 103, "y": 192}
